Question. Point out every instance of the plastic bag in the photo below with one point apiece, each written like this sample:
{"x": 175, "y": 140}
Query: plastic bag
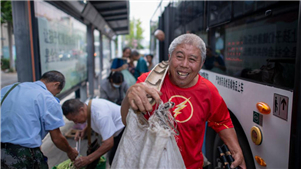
{"x": 69, "y": 165}
{"x": 148, "y": 144}
{"x": 128, "y": 77}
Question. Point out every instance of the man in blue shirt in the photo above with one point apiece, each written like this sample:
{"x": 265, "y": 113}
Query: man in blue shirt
{"x": 28, "y": 113}
{"x": 119, "y": 64}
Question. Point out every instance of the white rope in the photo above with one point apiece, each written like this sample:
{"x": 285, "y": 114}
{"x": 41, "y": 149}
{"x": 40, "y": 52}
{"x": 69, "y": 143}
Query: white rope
{"x": 162, "y": 119}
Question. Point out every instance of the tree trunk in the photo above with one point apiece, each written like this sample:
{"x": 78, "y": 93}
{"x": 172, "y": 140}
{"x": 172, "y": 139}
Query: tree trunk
{"x": 10, "y": 46}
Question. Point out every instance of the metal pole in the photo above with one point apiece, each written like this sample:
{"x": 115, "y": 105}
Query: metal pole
{"x": 90, "y": 59}
{"x": 23, "y": 44}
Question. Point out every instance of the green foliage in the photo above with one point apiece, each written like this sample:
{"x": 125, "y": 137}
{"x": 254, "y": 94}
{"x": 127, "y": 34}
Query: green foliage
{"x": 136, "y": 33}
{"x": 4, "y": 64}
{"x": 139, "y": 30}
{"x": 6, "y": 12}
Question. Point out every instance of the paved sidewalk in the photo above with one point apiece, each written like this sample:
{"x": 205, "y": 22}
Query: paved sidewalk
{"x": 8, "y": 78}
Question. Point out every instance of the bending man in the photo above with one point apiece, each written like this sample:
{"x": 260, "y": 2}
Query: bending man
{"x": 105, "y": 120}
{"x": 28, "y": 113}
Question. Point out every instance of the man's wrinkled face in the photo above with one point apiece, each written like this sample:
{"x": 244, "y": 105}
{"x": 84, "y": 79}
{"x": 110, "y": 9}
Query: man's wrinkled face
{"x": 79, "y": 117}
{"x": 184, "y": 65}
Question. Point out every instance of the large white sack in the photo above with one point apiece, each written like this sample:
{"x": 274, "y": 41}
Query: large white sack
{"x": 146, "y": 144}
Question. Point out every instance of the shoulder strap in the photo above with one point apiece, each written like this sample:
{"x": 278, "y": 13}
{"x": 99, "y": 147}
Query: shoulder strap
{"x": 89, "y": 122}
{"x": 156, "y": 77}
{"x": 9, "y": 92}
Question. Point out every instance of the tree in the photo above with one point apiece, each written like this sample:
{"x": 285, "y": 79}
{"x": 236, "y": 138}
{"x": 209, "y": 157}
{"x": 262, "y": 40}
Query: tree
{"x": 6, "y": 17}
{"x": 136, "y": 34}
{"x": 6, "y": 12}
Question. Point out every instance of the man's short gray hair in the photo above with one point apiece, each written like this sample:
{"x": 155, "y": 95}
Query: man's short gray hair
{"x": 72, "y": 106}
{"x": 54, "y": 76}
{"x": 190, "y": 39}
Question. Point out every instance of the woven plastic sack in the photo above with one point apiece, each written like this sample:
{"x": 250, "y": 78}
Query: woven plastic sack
{"x": 147, "y": 144}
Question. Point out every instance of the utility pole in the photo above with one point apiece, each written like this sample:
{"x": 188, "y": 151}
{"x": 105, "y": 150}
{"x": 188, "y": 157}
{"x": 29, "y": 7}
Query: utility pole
{"x": 10, "y": 46}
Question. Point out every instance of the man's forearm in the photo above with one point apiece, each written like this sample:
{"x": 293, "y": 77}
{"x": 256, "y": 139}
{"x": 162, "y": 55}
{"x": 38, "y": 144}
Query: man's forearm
{"x": 230, "y": 139}
{"x": 60, "y": 141}
{"x": 105, "y": 147}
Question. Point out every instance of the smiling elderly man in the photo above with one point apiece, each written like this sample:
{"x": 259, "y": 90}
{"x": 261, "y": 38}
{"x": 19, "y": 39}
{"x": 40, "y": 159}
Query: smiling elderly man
{"x": 196, "y": 101}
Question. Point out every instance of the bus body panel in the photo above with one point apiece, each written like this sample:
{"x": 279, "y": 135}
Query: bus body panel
{"x": 275, "y": 130}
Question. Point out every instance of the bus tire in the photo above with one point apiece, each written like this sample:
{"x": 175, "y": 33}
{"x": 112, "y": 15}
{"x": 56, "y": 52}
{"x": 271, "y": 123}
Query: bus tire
{"x": 213, "y": 141}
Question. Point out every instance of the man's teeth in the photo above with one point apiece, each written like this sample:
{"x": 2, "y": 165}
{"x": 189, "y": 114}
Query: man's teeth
{"x": 182, "y": 74}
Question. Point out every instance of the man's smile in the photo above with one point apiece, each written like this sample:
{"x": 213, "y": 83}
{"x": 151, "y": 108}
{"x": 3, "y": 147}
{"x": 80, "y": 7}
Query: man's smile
{"x": 183, "y": 74}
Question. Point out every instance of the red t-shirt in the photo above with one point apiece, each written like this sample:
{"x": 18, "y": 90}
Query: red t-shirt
{"x": 193, "y": 107}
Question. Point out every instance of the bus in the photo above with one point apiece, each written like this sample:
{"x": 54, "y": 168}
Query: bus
{"x": 253, "y": 58}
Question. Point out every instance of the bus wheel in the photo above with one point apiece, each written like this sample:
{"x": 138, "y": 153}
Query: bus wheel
{"x": 213, "y": 141}
{"x": 216, "y": 160}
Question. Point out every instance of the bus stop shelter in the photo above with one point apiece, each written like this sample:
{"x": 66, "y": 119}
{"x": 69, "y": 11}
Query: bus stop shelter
{"x": 61, "y": 35}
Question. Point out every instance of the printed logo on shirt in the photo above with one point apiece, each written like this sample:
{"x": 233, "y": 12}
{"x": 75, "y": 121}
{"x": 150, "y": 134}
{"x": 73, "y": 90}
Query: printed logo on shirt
{"x": 183, "y": 109}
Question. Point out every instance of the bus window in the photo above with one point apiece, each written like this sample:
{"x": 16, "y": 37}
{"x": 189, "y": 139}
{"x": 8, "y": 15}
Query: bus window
{"x": 195, "y": 18}
{"x": 195, "y": 9}
{"x": 241, "y": 8}
{"x": 219, "y": 12}
{"x": 262, "y": 50}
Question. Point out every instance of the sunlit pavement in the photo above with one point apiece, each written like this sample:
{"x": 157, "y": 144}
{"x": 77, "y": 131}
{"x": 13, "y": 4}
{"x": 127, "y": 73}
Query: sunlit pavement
{"x": 8, "y": 78}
